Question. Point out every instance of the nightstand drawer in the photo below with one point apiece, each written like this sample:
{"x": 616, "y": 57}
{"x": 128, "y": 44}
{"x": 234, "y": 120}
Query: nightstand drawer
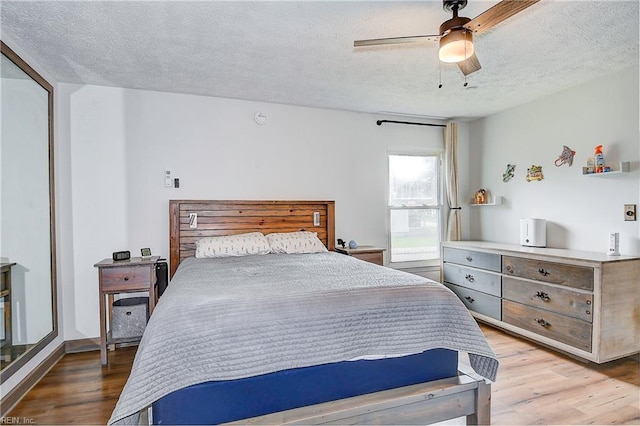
{"x": 561, "y": 300}
{"x": 125, "y": 278}
{"x": 556, "y": 273}
{"x": 572, "y": 331}
{"x": 472, "y": 258}
{"x": 475, "y": 279}
{"x": 369, "y": 257}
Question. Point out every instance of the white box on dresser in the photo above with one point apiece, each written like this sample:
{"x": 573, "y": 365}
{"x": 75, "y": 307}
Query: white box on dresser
{"x": 583, "y": 303}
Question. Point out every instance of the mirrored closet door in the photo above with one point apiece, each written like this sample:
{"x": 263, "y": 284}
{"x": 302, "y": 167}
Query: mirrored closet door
{"x": 27, "y": 238}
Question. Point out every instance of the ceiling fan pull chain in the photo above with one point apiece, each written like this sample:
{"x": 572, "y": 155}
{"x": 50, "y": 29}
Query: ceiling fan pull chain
{"x": 440, "y": 75}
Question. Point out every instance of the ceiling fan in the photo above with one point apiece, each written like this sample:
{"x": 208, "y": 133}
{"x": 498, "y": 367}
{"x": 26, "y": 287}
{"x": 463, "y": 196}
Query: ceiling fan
{"x": 456, "y": 34}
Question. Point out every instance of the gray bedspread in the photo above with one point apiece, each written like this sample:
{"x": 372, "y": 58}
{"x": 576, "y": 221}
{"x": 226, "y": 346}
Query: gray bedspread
{"x": 230, "y": 318}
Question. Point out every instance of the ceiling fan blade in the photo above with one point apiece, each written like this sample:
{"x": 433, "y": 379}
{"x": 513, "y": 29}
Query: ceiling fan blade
{"x": 395, "y": 40}
{"x": 469, "y": 65}
{"x": 498, "y": 13}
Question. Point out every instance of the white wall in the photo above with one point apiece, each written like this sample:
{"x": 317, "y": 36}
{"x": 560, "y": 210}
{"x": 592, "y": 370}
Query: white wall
{"x": 580, "y": 210}
{"x": 122, "y": 141}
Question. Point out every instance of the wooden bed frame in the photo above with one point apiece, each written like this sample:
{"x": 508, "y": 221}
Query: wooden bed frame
{"x": 468, "y": 394}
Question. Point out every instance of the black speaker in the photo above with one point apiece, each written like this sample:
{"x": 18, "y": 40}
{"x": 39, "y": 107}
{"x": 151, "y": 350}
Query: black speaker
{"x": 162, "y": 276}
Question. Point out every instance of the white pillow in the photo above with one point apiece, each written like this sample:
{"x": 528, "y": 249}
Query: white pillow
{"x": 232, "y": 245}
{"x": 295, "y": 242}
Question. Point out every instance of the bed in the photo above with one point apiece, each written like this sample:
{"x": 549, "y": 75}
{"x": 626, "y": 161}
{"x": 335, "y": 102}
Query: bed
{"x": 299, "y": 338}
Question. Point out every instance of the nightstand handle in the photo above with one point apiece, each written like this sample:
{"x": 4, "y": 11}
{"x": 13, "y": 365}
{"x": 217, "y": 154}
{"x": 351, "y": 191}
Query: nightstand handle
{"x": 469, "y": 278}
{"x": 469, "y": 258}
{"x": 126, "y": 278}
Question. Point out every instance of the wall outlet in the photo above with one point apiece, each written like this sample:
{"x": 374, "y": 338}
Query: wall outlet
{"x": 629, "y": 212}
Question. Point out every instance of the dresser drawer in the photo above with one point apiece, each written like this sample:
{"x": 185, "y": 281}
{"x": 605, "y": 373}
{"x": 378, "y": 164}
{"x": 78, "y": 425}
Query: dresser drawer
{"x": 478, "y": 302}
{"x": 557, "y": 273}
{"x": 572, "y": 331}
{"x": 560, "y": 300}
{"x": 125, "y": 278}
{"x": 475, "y": 279}
{"x": 472, "y": 258}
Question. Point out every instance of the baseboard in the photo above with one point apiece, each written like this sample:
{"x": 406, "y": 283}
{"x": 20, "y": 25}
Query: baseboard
{"x": 82, "y": 345}
{"x": 20, "y": 390}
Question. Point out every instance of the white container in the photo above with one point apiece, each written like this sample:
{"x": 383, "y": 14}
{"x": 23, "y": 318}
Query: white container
{"x": 614, "y": 244}
{"x": 533, "y": 232}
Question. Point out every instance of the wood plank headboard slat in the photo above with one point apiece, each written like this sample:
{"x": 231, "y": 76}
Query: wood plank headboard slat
{"x": 229, "y": 217}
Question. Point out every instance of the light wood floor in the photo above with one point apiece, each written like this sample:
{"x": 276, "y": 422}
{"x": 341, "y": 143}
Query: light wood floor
{"x": 534, "y": 386}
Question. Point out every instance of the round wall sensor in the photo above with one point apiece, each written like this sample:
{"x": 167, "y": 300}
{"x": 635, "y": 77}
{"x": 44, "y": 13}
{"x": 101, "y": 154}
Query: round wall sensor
{"x": 260, "y": 117}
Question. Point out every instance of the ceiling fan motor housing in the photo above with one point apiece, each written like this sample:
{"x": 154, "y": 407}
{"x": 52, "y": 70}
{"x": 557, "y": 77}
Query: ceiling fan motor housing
{"x": 455, "y": 23}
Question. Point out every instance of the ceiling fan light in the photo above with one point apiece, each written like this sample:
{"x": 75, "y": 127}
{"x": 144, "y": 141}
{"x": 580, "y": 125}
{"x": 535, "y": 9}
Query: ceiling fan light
{"x": 456, "y": 46}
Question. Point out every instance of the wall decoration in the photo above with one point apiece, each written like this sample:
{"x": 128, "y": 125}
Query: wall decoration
{"x": 534, "y": 173}
{"x": 566, "y": 157}
{"x": 481, "y": 196}
{"x": 509, "y": 173}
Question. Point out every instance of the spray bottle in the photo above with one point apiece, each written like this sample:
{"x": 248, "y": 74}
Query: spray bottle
{"x": 599, "y": 159}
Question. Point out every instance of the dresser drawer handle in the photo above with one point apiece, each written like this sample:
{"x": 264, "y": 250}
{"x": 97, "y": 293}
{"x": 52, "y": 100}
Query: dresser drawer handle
{"x": 509, "y": 269}
{"x": 543, "y": 272}
{"x": 469, "y": 259}
{"x": 542, "y": 296}
{"x": 469, "y": 278}
{"x": 542, "y": 322}
{"x": 126, "y": 278}
{"x": 470, "y": 299}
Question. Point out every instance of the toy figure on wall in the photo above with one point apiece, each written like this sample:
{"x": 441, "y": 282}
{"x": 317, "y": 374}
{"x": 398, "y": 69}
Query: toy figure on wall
{"x": 566, "y": 157}
{"x": 534, "y": 173}
{"x": 480, "y": 196}
{"x": 509, "y": 173}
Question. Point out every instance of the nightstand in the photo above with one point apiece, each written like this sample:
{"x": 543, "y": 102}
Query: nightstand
{"x": 367, "y": 253}
{"x": 123, "y": 276}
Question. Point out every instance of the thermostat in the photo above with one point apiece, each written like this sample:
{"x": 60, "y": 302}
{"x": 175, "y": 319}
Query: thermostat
{"x": 260, "y": 117}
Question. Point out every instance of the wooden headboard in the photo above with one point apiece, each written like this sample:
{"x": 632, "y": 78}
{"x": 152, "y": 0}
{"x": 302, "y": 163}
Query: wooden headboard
{"x": 229, "y": 217}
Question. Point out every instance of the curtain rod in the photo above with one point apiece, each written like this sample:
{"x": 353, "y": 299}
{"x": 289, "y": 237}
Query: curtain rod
{"x": 379, "y": 123}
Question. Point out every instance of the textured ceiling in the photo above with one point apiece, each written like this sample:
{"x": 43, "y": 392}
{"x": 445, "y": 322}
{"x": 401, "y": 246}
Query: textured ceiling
{"x": 301, "y": 52}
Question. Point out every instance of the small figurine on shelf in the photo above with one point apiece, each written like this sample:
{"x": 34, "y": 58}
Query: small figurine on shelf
{"x": 481, "y": 196}
{"x": 342, "y": 243}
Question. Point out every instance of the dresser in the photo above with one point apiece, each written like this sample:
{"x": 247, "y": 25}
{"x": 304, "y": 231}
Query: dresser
{"x": 581, "y": 303}
{"x": 123, "y": 276}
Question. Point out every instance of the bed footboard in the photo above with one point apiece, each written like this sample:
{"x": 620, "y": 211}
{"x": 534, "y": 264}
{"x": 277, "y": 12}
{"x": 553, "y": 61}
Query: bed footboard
{"x": 423, "y": 403}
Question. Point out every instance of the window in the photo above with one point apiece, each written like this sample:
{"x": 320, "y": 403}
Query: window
{"x": 414, "y": 209}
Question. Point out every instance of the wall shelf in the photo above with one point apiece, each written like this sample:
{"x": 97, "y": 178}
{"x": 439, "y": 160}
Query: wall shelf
{"x": 624, "y": 168}
{"x": 497, "y": 201}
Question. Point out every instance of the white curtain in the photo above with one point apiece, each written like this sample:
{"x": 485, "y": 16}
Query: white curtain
{"x": 454, "y": 224}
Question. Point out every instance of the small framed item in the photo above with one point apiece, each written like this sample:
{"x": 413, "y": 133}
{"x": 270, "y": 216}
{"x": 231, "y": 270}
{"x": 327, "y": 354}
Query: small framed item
{"x": 121, "y": 255}
{"x": 146, "y": 252}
